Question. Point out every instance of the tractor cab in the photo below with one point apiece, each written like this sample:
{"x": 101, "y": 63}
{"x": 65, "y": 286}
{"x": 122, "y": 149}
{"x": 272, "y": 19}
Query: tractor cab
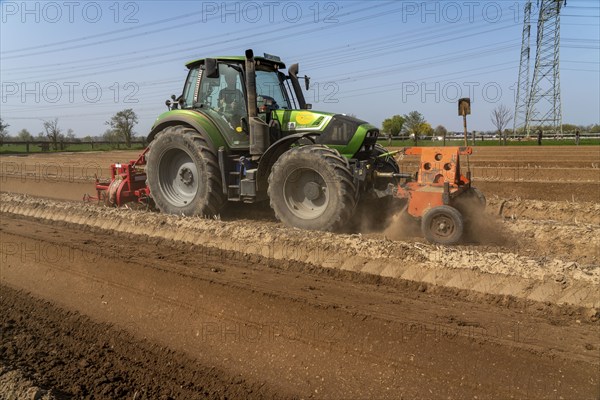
{"x": 253, "y": 111}
{"x": 217, "y": 87}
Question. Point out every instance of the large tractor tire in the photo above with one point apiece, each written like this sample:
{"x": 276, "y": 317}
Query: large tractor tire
{"x": 312, "y": 187}
{"x": 183, "y": 173}
{"x": 443, "y": 225}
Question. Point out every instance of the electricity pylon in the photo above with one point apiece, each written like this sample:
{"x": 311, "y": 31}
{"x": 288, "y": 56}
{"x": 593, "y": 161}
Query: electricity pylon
{"x": 544, "y": 109}
{"x": 523, "y": 87}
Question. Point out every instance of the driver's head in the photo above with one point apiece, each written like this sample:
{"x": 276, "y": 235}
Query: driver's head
{"x": 230, "y": 78}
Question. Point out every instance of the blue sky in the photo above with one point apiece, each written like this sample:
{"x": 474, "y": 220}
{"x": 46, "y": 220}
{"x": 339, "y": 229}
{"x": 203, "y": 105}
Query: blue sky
{"x": 82, "y": 61}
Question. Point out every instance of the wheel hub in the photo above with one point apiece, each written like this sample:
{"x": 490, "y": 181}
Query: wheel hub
{"x": 186, "y": 175}
{"x": 305, "y": 193}
{"x": 177, "y": 177}
{"x": 443, "y": 226}
{"x": 312, "y": 191}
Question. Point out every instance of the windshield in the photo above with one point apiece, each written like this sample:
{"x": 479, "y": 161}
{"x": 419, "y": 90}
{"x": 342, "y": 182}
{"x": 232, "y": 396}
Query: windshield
{"x": 269, "y": 87}
{"x": 189, "y": 89}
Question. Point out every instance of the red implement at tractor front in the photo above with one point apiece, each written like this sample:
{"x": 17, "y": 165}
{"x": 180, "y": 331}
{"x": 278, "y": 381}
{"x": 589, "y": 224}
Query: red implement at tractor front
{"x": 127, "y": 184}
{"x": 440, "y": 195}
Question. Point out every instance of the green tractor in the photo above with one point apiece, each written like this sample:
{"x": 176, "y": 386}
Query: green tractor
{"x": 242, "y": 132}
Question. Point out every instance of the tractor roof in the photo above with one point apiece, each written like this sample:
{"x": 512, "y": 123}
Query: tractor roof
{"x": 238, "y": 59}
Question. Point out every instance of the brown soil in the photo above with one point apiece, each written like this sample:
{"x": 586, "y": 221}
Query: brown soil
{"x": 79, "y": 358}
{"x": 121, "y": 303}
{"x": 498, "y": 265}
{"x": 561, "y": 211}
{"x": 13, "y": 385}
{"x": 293, "y": 327}
{"x": 547, "y": 173}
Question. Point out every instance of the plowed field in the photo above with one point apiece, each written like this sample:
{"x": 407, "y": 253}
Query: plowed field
{"x": 99, "y": 302}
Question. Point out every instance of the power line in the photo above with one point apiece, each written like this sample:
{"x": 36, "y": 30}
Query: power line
{"x": 476, "y": 53}
{"x": 265, "y": 34}
{"x": 334, "y": 60}
{"x": 84, "y": 38}
{"x": 152, "y": 31}
{"x": 393, "y": 87}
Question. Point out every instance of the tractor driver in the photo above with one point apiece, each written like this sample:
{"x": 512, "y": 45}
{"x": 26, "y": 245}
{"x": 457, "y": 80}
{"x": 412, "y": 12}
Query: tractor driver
{"x": 231, "y": 100}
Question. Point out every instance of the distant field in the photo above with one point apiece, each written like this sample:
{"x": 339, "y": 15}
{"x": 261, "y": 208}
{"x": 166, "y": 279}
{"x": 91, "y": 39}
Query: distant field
{"x": 490, "y": 142}
{"x": 12, "y": 148}
{"x": 19, "y": 148}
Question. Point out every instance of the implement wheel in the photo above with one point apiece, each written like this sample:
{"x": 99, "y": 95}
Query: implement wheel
{"x": 183, "y": 173}
{"x": 443, "y": 225}
{"x": 311, "y": 187}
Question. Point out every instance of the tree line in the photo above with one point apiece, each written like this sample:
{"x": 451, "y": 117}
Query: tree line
{"x": 413, "y": 125}
{"x": 121, "y": 129}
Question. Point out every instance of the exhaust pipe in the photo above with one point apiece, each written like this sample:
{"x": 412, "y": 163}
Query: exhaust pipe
{"x": 251, "y": 83}
{"x": 293, "y": 73}
{"x": 259, "y": 130}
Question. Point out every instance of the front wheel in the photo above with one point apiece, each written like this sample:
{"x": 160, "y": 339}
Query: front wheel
{"x": 443, "y": 225}
{"x": 312, "y": 187}
{"x": 183, "y": 173}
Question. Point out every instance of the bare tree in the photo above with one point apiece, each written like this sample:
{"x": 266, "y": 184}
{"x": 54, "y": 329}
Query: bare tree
{"x": 53, "y": 132}
{"x": 122, "y": 123}
{"x": 24, "y": 135}
{"x": 3, "y": 130}
{"x": 70, "y": 136}
{"x": 501, "y": 117}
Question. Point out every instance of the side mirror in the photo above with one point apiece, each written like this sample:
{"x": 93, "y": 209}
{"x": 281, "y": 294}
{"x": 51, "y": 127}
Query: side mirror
{"x": 307, "y": 82}
{"x": 174, "y": 103}
{"x": 211, "y": 68}
{"x": 171, "y": 104}
{"x": 293, "y": 74}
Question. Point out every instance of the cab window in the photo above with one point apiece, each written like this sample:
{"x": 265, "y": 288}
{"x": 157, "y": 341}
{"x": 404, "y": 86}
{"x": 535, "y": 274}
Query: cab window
{"x": 224, "y": 101}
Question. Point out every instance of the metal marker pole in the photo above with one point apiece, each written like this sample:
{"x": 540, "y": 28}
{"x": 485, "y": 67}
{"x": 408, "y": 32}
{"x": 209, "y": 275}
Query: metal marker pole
{"x": 465, "y": 124}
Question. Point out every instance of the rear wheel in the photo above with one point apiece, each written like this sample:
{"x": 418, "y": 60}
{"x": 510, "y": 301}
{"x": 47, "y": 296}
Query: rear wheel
{"x": 443, "y": 225}
{"x": 311, "y": 187}
{"x": 183, "y": 173}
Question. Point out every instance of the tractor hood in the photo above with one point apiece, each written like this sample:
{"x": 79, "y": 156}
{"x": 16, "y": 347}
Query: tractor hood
{"x": 340, "y": 131}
